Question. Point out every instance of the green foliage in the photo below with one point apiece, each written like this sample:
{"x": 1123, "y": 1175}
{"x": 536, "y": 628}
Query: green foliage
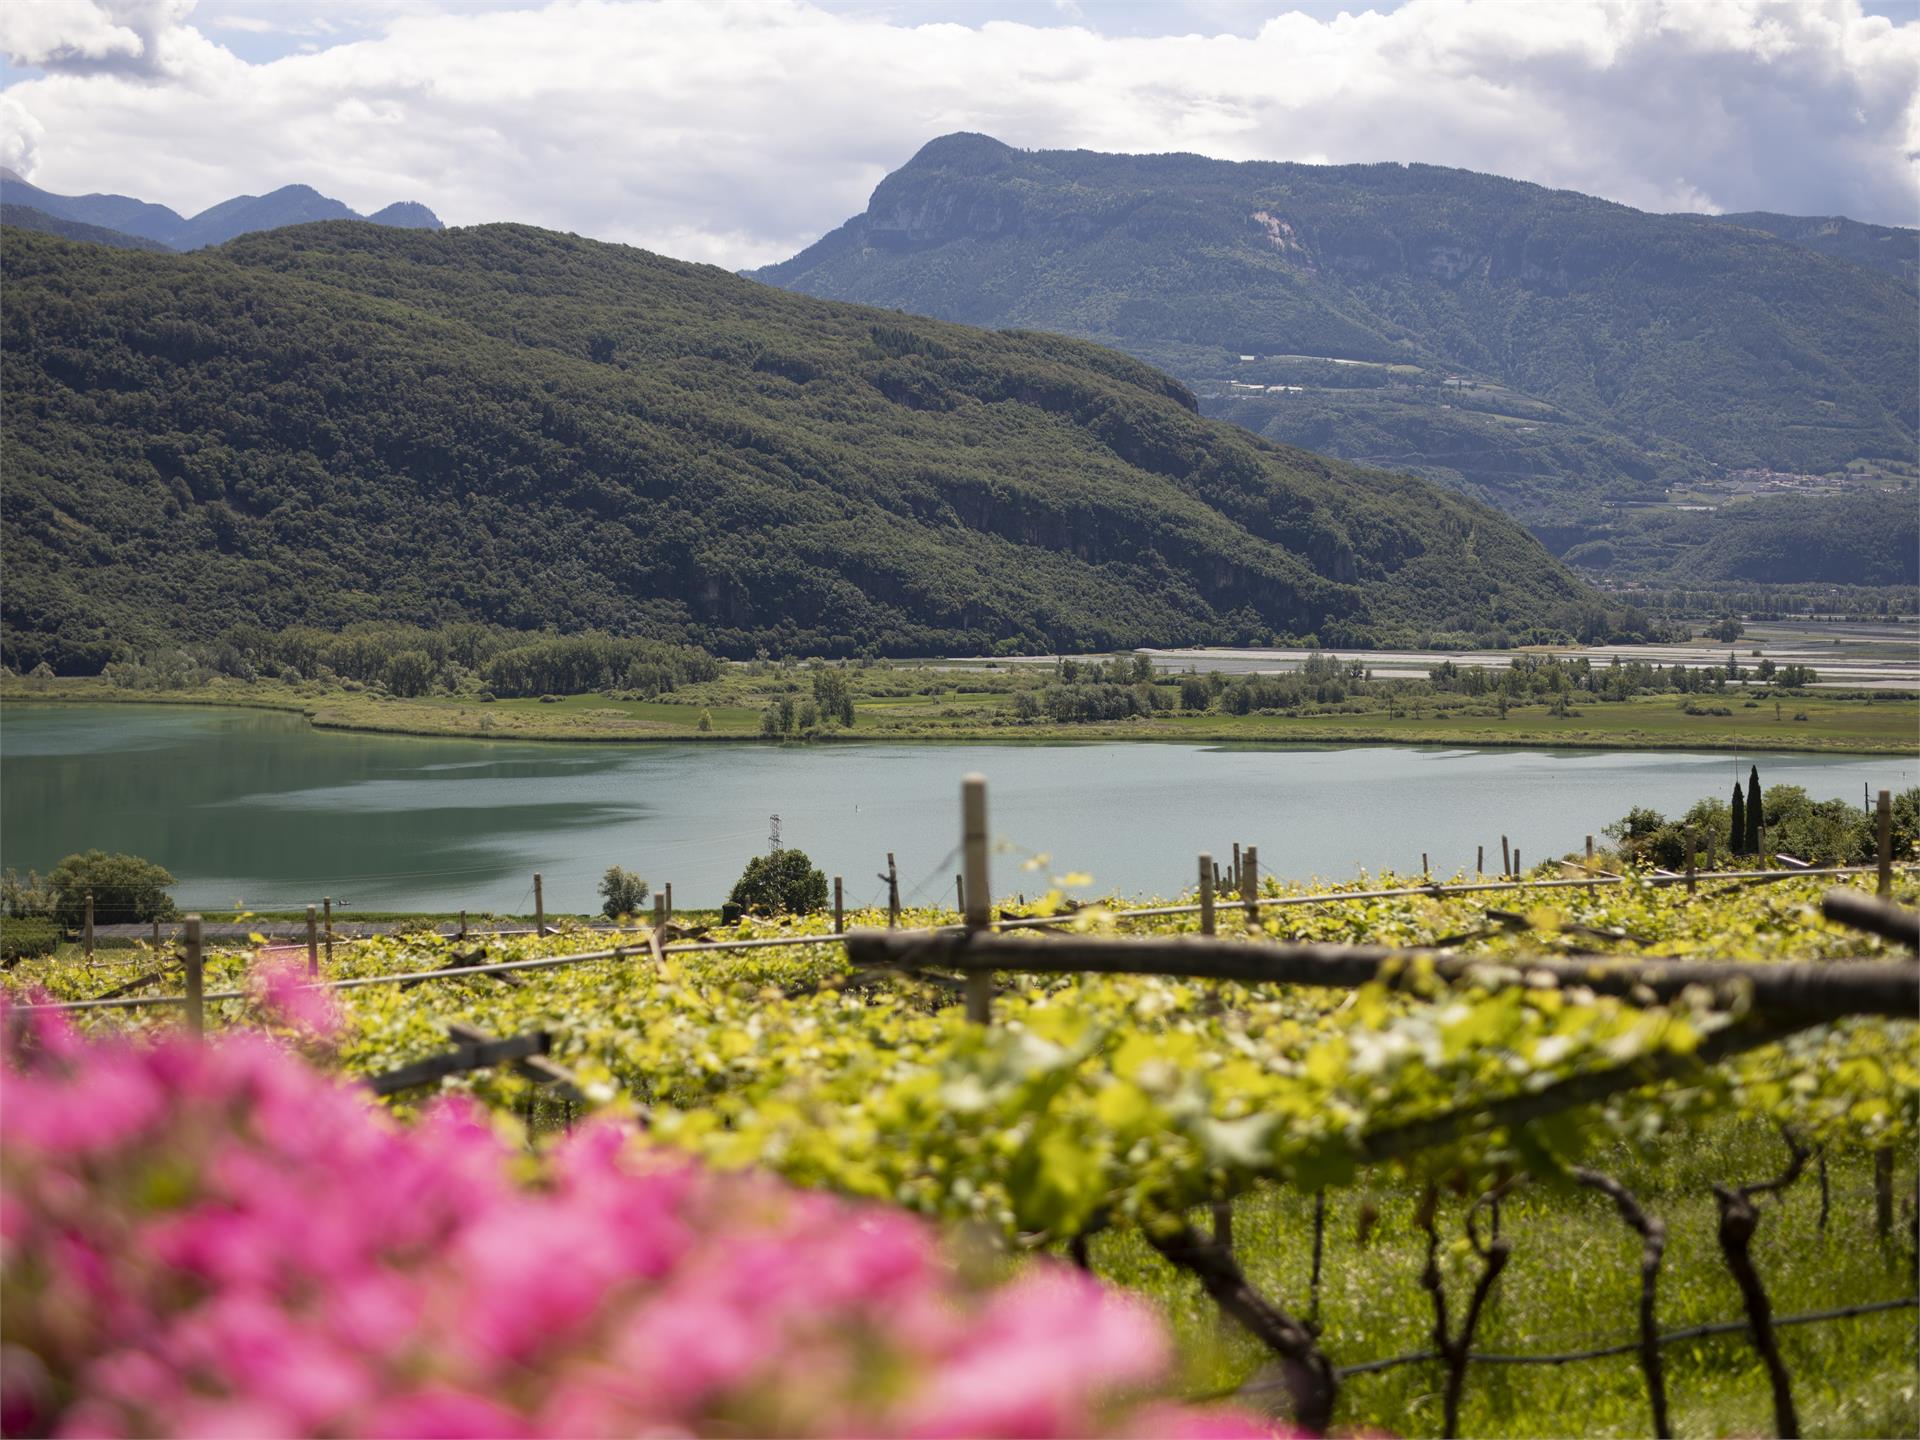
{"x": 832, "y": 695}
{"x": 1549, "y": 351}
{"x": 1129, "y": 1096}
{"x": 409, "y": 673}
{"x": 578, "y": 664}
{"x": 24, "y": 937}
{"x": 1824, "y": 832}
{"x": 125, "y": 889}
{"x": 1869, "y": 540}
{"x": 783, "y": 882}
{"x": 31, "y": 896}
{"x": 338, "y": 424}
{"x": 622, "y": 893}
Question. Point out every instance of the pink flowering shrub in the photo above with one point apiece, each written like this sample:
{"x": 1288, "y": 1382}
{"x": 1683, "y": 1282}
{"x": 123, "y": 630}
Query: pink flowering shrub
{"x": 280, "y": 989}
{"x": 216, "y": 1240}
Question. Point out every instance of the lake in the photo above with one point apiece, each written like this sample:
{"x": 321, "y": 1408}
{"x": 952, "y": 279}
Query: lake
{"x": 258, "y": 807}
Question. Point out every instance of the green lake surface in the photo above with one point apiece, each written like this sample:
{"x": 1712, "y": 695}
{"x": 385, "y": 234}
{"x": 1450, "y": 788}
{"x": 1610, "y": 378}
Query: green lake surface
{"x": 260, "y": 808}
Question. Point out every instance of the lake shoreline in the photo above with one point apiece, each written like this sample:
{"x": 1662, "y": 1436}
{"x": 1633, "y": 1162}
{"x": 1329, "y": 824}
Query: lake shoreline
{"x": 1260, "y": 731}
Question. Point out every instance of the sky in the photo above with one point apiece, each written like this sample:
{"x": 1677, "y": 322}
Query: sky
{"x": 739, "y": 131}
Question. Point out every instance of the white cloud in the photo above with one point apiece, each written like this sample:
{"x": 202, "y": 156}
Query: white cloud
{"x": 737, "y": 133}
{"x": 108, "y": 37}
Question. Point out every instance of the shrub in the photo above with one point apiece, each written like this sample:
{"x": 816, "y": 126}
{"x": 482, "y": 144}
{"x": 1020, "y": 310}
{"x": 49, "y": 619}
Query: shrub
{"x": 409, "y": 673}
{"x": 126, "y": 890}
{"x": 238, "y": 1245}
{"x": 783, "y": 882}
{"x": 31, "y": 896}
{"x": 23, "y": 937}
{"x": 622, "y": 892}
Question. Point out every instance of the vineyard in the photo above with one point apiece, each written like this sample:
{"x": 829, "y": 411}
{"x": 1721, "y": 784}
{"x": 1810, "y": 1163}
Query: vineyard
{"x": 1622, "y": 1159}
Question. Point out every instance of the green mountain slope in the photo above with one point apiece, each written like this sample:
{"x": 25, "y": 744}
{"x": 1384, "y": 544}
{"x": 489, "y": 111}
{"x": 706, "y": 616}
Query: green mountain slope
{"x": 1783, "y": 540}
{"x": 1892, "y": 249}
{"x": 340, "y": 422}
{"x": 25, "y": 217}
{"x": 1545, "y": 350}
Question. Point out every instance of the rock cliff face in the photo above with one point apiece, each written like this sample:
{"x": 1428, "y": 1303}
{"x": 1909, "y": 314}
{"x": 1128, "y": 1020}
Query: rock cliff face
{"x": 1542, "y": 349}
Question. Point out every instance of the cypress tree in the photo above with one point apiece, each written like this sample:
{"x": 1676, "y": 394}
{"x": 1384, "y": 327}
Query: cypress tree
{"x": 1737, "y": 832}
{"x": 1756, "y": 815}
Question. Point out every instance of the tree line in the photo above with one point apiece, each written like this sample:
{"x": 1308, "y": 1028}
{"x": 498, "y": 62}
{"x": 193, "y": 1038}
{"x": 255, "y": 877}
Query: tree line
{"x": 1774, "y": 820}
{"x": 414, "y": 660}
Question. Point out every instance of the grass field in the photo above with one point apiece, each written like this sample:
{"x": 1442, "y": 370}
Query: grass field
{"x": 934, "y": 703}
{"x": 1573, "y": 1283}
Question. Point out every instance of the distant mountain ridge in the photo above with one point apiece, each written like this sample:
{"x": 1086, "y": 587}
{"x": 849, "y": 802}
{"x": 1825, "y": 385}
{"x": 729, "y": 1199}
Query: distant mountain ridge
{"x": 1550, "y": 352}
{"x": 26, "y": 217}
{"x": 1892, "y": 249}
{"x": 242, "y": 215}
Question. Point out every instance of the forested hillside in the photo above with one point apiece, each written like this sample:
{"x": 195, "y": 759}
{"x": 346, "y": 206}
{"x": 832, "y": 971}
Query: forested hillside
{"x": 1784, "y": 540}
{"x": 1545, "y": 350}
{"x": 1891, "y": 248}
{"x": 25, "y": 217}
{"x": 341, "y": 422}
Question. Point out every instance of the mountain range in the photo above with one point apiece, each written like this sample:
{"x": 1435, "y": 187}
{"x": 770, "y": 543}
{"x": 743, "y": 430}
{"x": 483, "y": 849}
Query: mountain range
{"x": 1555, "y": 354}
{"x": 129, "y": 220}
{"x": 336, "y": 422}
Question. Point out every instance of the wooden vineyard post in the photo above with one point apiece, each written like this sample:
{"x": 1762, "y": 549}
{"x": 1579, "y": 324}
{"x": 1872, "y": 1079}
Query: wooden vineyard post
{"x": 1479, "y": 859}
{"x": 1506, "y": 860}
{"x": 659, "y": 911}
{"x": 1589, "y": 854}
{"x": 196, "y": 1005}
{"x": 892, "y": 878}
{"x": 1883, "y": 841}
{"x": 960, "y": 894}
{"x": 88, "y": 931}
{"x": 1233, "y": 878}
{"x": 1426, "y": 870}
{"x": 1883, "y": 1192}
{"x": 463, "y": 923}
{"x": 1250, "y": 883}
{"x": 326, "y": 912}
{"x": 156, "y": 934}
{"x": 1516, "y": 862}
{"x": 539, "y": 907}
{"x": 313, "y": 942}
{"x": 976, "y": 889}
{"x": 1206, "y": 894}
{"x": 668, "y": 888}
{"x": 839, "y": 907}
{"x": 1693, "y": 878}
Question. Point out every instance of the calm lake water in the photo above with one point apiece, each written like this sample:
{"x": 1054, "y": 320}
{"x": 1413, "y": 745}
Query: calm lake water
{"x": 259, "y": 808}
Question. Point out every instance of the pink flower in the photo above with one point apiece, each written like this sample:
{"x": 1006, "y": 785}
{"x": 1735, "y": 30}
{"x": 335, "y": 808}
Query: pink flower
{"x": 439, "y": 1414}
{"x": 215, "y": 1239}
{"x": 280, "y": 987}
